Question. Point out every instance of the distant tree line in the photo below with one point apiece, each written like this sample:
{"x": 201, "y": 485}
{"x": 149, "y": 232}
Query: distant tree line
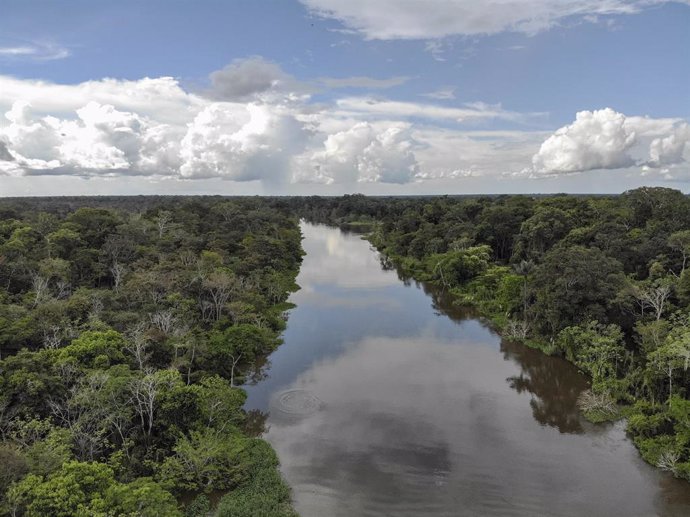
{"x": 603, "y": 281}
{"x": 126, "y": 325}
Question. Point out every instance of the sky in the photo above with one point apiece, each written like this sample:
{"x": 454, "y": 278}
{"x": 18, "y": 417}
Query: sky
{"x": 329, "y": 97}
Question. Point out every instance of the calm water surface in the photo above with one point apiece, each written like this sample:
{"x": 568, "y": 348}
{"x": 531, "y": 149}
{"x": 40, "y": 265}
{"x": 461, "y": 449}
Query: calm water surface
{"x": 385, "y": 400}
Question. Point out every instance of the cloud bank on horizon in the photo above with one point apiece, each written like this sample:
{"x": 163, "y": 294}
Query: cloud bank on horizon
{"x": 251, "y": 120}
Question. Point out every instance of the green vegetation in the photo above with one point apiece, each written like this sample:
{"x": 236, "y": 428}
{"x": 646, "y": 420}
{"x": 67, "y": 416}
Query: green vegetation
{"x": 601, "y": 280}
{"x": 126, "y": 326}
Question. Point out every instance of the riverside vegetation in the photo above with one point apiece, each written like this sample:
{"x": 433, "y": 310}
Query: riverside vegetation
{"x": 126, "y": 325}
{"x": 603, "y": 281}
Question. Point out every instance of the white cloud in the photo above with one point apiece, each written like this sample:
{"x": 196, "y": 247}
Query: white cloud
{"x": 606, "y": 139}
{"x": 242, "y": 142}
{"x": 155, "y": 130}
{"x": 17, "y": 51}
{"x": 101, "y": 140}
{"x": 436, "y": 48}
{"x": 5, "y": 155}
{"x": 160, "y": 98}
{"x": 446, "y": 153}
{"x": 363, "y": 153}
{"x": 471, "y": 112}
{"x": 34, "y": 51}
{"x": 596, "y": 140}
{"x": 266, "y": 129}
{"x": 252, "y": 78}
{"x": 446, "y": 93}
{"x": 670, "y": 149}
{"x": 430, "y": 19}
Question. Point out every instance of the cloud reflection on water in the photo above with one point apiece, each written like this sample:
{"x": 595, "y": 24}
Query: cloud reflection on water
{"x": 420, "y": 426}
{"x": 427, "y": 412}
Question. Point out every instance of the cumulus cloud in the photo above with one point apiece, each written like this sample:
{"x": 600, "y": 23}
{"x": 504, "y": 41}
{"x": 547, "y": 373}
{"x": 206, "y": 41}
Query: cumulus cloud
{"x": 155, "y": 128}
{"x": 596, "y": 140}
{"x": 670, "y": 149}
{"x": 98, "y": 141}
{"x": 363, "y": 153}
{"x": 606, "y": 139}
{"x": 255, "y": 122}
{"x": 417, "y": 19}
{"x": 242, "y": 143}
{"x": 160, "y": 98}
{"x": 5, "y": 155}
{"x": 247, "y": 79}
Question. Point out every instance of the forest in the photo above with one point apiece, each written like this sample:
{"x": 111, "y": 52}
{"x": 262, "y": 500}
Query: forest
{"x": 603, "y": 281}
{"x": 126, "y": 327}
{"x": 129, "y": 324}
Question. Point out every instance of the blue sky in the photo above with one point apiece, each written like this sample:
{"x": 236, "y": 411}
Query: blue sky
{"x": 330, "y": 96}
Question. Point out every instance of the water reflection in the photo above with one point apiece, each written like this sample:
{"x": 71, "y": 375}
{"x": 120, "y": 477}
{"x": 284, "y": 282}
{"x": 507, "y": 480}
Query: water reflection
{"x": 424, "y": 411}
{"x": 554, "y": 387}
{"x": 554, "y": 384}
{"x": 255, "y": 424}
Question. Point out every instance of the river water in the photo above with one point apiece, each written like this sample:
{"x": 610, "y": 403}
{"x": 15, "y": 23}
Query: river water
{"x": 386, "y": 400}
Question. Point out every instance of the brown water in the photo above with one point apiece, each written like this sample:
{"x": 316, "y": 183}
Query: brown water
{"x": 386, "y": 400}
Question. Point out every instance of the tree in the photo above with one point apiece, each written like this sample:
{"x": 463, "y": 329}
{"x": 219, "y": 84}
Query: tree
{"x": 524, "y": 268}
{"x": 652, "y": 334}
{"x": 118, "y": 271}
{"x": 652, "y": 205}
{"x": 240, "y": 342}
{"x": 456, "y": 267}
{"x": 680, "y": 242}
{"x": 45, "y": 446}
{"x": 652, "y": 296}
{"x": 138, "y": 345}
{"x": 91, "y": 346}
{"x": 597, "y": 349}
{"x": 163, "y": 221}
{"x": 219, "y": 285}
{"x": 219, "y": 402}
{"x": 74, "y": 388}
{"x": 82, "y": 489}
{"x": 146, "y": 393}
{"x": 574, "y": 285}
{"x": 673, "y": 355}
{"x": 499, "y": 223}
{"x": 542, "y": 231}
{"x": 40, "y": 288}
{"x": 14, "y": 467}
{"x": 205, "y": 460}
{"x": 85, "y": 412}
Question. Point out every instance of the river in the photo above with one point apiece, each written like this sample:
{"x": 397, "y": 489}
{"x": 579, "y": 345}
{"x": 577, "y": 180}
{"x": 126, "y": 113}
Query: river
{"x": 387, "y": 400}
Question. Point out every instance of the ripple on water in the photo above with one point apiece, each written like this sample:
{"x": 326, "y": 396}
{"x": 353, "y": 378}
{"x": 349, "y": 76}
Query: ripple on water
{"x": 296, "y": 403}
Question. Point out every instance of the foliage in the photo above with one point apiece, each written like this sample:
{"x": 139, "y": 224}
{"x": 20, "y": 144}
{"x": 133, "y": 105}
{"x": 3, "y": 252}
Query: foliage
{"x": 264, "y": 492}
{"x": 126, "y": 326}
{"x": 89, "y": 489}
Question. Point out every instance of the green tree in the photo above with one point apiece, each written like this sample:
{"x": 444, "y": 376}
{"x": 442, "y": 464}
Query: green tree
{"x": 572, "y": 286}
{"x": 89, "y": 490}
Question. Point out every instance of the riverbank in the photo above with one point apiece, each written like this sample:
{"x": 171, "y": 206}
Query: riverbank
{"x": 483, "y": 293}
{"x": 423, "y": 410}
{"x": 599, "y": 280}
